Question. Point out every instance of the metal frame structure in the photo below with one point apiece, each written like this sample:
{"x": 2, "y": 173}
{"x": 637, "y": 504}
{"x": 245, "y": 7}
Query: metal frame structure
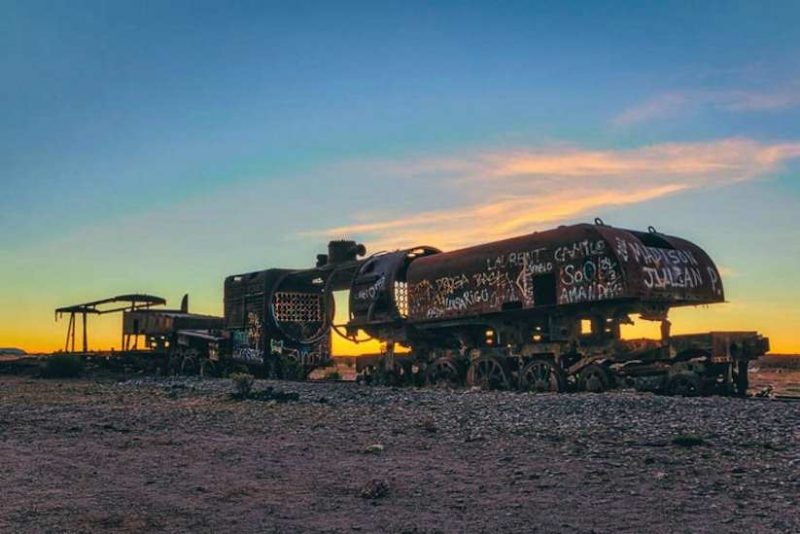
{"x": 135, "y": 301}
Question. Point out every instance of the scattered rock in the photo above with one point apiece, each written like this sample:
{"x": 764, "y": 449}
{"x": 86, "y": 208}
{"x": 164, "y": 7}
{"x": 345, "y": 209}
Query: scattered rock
{"x": 272, "y": 396}
{"x": 428, "y": 425}
{"x": 593, "y": 449}
{"x": 375, "y": 448}
{"x": 375, "y": 489}
{"x": 766, "y": 391}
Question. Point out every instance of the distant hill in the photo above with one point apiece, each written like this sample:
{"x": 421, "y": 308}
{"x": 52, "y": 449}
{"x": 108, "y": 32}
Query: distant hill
{"x": 788, "y": 361}
{"x": 11, "y": 351}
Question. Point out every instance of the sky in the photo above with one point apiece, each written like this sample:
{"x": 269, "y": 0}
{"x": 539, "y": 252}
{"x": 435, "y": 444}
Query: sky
{"x": 158, "y": 147}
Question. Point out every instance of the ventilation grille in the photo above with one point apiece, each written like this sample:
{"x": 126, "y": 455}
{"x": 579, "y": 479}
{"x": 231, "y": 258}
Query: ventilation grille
{"x": 293, "y": 307}
{"x": 401, "y": 298}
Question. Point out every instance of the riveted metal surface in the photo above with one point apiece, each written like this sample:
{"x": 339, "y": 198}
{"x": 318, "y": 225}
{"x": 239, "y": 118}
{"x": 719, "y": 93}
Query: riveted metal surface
{"x": 379, "y": 292}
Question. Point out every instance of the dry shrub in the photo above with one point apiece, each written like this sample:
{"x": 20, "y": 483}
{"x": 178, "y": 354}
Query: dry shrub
{"x": 243, "y": 384}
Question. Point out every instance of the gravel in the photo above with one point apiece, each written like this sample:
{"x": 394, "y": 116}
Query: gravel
{"x": 181, "y": 454}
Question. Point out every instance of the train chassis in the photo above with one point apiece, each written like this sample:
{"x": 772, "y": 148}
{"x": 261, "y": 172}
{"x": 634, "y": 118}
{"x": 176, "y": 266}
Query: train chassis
{"x": 691, "y": 365}
{"x": 504, "y": 369}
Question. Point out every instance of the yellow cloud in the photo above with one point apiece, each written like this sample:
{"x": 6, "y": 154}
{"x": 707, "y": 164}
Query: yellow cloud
{"x": 517, "y": 191}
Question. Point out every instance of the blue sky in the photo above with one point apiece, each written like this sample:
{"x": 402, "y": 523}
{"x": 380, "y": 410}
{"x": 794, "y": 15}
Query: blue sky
{"x": 159, "y": 146}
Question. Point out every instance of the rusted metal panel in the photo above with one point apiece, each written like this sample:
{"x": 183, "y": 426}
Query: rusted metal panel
{"x": 133, "y": 300}
{"x": 722, "y": 347}
{"x": 279, "y": 312}
{"x": 379, "y": 292}
{"x": 581, "y": 264}
{"x": 662, "y": 267}
{"x": 245, "y": 296}
{"x": 166, "y": 322}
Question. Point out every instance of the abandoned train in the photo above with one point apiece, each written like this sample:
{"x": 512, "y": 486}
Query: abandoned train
{"x": 540, "y": 312}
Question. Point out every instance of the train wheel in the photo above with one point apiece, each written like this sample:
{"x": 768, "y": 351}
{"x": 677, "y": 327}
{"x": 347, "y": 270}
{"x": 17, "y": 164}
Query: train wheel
{"x": 487, "y": 372}
{"x": 418, "y": 374}
{"x": 542, "y": 376}
{"x": 183, "y": 361}
{"x": 367, "y": 375}
{"x": 595, "y": 378}
{"x": 190, "y": 362}
{"x": 685, "y": 384}
{"x": 173, "y": 364}
{"x": 208, "y": 368}
{"x": 401, "y": 374}
{"x": 443, "y": 372}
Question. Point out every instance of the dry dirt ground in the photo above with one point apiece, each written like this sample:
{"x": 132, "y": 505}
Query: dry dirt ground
{"x": 181, "y": 455}
{"x": 779, "y": 375}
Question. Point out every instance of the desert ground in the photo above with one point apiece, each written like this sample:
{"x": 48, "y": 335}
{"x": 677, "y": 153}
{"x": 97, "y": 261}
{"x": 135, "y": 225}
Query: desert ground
{"x": 179, "y": 454}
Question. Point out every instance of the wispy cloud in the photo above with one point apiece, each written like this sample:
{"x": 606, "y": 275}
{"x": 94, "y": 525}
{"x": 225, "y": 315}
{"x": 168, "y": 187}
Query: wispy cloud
{"x": 500, "y": 194}
{"x": 674, "y": 103}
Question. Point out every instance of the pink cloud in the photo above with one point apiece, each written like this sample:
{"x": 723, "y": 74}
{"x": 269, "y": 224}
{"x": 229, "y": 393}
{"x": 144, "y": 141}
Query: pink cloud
{"x": 674, "y": 103}
{"x": 518, "y": 191}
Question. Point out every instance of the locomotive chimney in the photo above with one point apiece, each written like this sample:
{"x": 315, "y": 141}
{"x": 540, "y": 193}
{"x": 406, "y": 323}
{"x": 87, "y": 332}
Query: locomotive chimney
{"x": 341, "y": 251}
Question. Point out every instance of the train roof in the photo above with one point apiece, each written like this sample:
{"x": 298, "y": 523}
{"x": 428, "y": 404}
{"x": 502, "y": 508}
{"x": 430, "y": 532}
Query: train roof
{"x": 586, "y": 263}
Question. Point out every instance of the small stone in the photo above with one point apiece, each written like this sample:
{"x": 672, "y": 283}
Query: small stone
{"x": 375, "y": 489}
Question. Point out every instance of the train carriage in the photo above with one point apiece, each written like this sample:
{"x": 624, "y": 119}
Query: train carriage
{"x": 544, "y": 311}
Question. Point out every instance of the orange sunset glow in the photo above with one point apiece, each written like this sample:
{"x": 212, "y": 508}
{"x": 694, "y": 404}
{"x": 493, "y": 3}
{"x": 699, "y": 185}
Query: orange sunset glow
{"x": 130, "y": 180}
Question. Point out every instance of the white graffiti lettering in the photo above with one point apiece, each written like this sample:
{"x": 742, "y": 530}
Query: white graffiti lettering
{"x": 581, "y": 249}
{"x": 671, "y": 277}
{"x": 248, "y": 354}
{"x": 371, "y": 292}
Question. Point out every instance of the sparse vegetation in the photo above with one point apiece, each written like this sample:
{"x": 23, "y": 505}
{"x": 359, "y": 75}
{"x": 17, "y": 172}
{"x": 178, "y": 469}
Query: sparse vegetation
{"x": 333, "y": 375}
{"x": 63, "y": 366}
{"x": 243, "y": 385}
{"x": 375, "y": 489}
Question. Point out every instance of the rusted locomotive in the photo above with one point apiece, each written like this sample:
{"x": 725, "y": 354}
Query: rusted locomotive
{"x": 539, "y": 312}
{"x": 543, "y": 312}
{"x": 278, "y": 321}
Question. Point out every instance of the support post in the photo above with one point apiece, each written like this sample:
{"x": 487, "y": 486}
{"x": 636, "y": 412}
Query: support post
{"x": 70, "y": 329}
{"x": 72, "y": 332}
{"x": 388, "y": 358}
{"x": 85, "y": 342}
